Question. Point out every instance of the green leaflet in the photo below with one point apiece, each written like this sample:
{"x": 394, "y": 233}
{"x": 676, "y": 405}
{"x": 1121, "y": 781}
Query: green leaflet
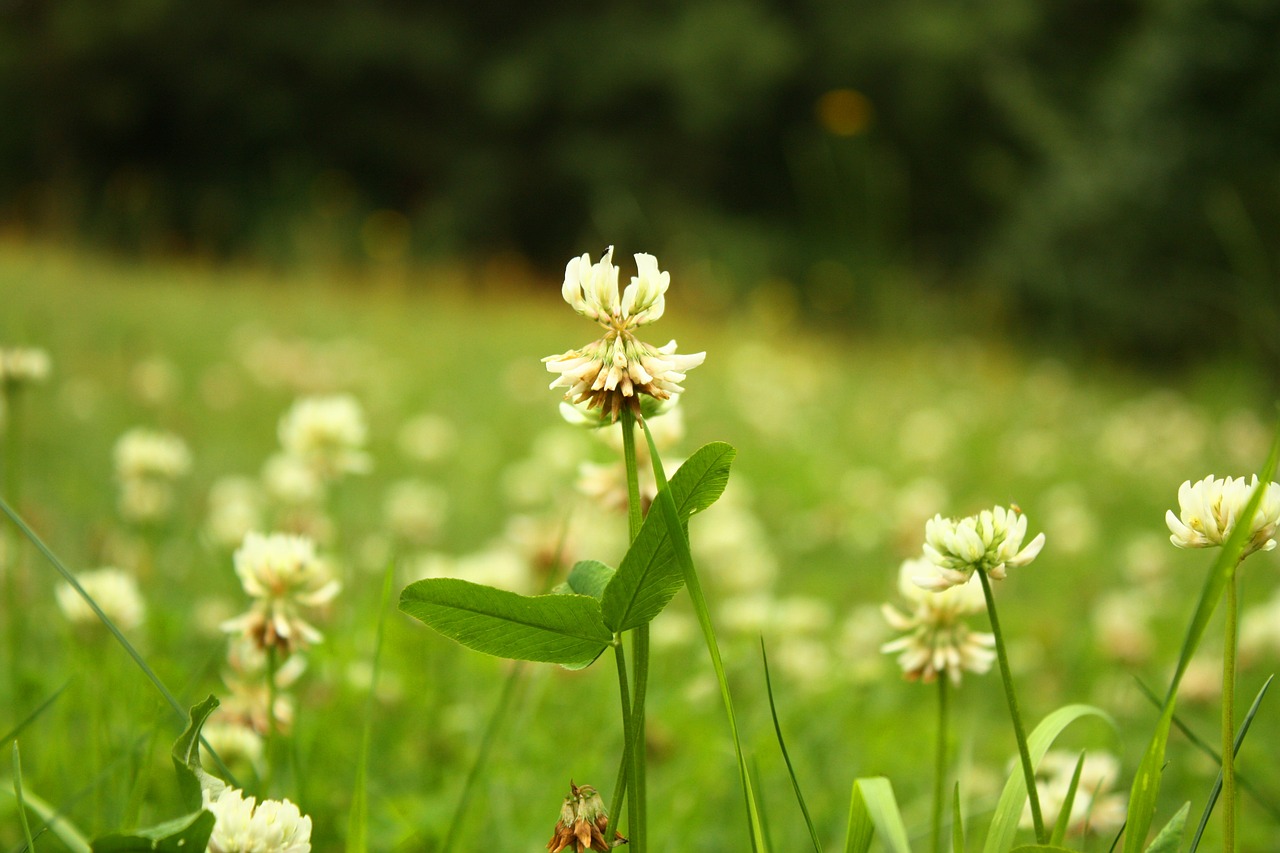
{"x": 183, "y": 835}
{"x": 563, "y": 629}
{"x": 650, "y": 576}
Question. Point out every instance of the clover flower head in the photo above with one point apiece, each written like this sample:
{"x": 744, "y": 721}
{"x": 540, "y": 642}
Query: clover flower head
{"x": 142, "y": 454}
{"x": 328, "y": 434}
{"x": 1209, "y": 509}
{"x": 583, "y": 820}
{"x": 989, "y": 542}
{"x": 23, "y": 366}
{"x": 285, "y": 577}
{"x": 937, "y": 639}
{"x": 115, "y": 591}
{"x": 615, "y": 370}
{"x": 244, "y": 825}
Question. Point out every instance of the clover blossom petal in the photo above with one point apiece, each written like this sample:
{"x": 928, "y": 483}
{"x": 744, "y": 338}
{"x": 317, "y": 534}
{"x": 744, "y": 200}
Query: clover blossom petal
{"x": 990, "y": 542}
{"x": 1209, "y": 509}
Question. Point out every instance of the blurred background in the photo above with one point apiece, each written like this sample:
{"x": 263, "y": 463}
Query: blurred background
{"x": 1100, "y": 173}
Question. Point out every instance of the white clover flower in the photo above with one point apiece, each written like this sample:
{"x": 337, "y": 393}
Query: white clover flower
{"x": 1208, "y": 511}
{"x": 236, "y": 743}
{"x": 148, "y": 454}
{"x": 23, "y": 365}
{"x": 613, "y": 371}
{"x": 938, "y": 640}
{"x": 235, "y": 509}
{"x": 115, "y": 591}
{"x": 328, "y": 434}
{"x": 285, "y": 577}
{"x": 246, "y": 826}
{"x": 290, "y": 481}
{"x": 990, "y": 542}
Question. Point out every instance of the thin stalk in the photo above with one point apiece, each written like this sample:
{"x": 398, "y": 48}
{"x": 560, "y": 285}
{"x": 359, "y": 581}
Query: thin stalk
{"x": 271, "y": 749}
{"x": 1230, "y": 639}
{"x": 639, "y": 649}
{"x": 14, "y": 580}
{"x": 940, "y": 770}
{"x": 482, "y": 755}
{"x": 627, "y": 767}
{"x": 681, "y": 546}
{"x": 1019, "y": 732}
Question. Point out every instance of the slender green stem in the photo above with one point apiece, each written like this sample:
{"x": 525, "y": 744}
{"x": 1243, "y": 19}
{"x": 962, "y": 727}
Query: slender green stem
{"x": 1230, "y": 639}
{"x": 627, "y": 767}
{"x": 1028, "y": 772}
{"x": 940, "y": 771}
{"x": 22, "y": 804}
{"x": 639, "y": 648}
{"x": 482, "y": 755}
{"x": 273, "y": 732}
{"x": 681, "y": 546}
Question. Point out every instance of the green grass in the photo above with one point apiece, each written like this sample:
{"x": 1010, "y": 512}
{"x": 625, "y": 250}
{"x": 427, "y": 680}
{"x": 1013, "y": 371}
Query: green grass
{"x": 846, "y": 444}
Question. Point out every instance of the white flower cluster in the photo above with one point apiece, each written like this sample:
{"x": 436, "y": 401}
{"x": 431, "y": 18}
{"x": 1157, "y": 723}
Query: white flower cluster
{"x": 937, "y": 640}
{"x": 23, "y": 366}
{"x": 148, "y": 463}
{"x": 1209, "y": 510}
{"x": 1097, "y": 809}
{"x": 989, "y": 542}
{"x": 327, "y": 434}
{"x": 612, "y": 372}
{"x": 247, "y": 826}
{"x": 114, "y": 590}
{"x": 285, "y": 578}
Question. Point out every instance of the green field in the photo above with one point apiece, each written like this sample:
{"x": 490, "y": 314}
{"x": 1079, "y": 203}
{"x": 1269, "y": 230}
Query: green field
{"x": 846, "y": 444}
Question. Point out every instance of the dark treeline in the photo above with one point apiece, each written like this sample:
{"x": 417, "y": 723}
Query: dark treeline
{"x": 1112, "y": 164}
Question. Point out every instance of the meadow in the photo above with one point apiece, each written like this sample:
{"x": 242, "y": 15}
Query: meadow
{"x": 847, "y": 443}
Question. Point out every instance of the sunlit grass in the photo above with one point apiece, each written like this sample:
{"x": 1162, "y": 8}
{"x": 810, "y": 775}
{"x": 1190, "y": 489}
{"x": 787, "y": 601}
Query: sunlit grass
{"x": 846, "y": 444}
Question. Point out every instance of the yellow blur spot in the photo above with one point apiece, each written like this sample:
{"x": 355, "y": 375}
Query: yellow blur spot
{"x": 844, "y": 112}
{"x": 385, "y": 234}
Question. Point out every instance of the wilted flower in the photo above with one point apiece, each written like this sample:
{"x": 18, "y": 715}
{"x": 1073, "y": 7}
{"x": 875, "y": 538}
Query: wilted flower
{"x": 328, "y": 434}
{"x": 1096, "y": 808}
{"x": 938, "y": 640}
{"x": 246, "y": 826}
{"x": 23, "y": 366}
{"x": 613, "y": 371}
{"x": 583, "y": 820}
{"x": 285, "y": 577}
{"x": 115, "y": 591}
{"x": 1208, "y": 511}
{"x": 989, "y": 542}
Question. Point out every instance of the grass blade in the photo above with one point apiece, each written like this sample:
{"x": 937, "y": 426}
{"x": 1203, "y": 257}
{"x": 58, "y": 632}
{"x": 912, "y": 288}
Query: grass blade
{"x": 32, "y": 717}
{"x": 1004, "y": 825}
{"x": 67, "y": 833}
{"x": 782, "y": 745}
{"x": 22, "y": 806}
{"x": 1146, "y": 782}
{"x": 874, "y": 812}
{"x": 1169, "y": 839}
{"x": 957, "y": 824}
{"x": 1064, "y": 814}
{"x": 1217, "y": 785}
{"x": 358, "y": 821}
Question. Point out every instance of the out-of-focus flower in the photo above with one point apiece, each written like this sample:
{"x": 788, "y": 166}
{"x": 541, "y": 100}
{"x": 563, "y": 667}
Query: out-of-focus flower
{"x": 427, "y": 438}
{"x": 937, "y": 639}
{"x": 583, "y": 821}
{"x": 238, "y": 745}
{"x": 23, "y": 366}
{"x": 148, "y": 463}
{"x": 1208, "y": 511}
{"x": 235, "y": 509}
{"x": 290, "y": 481}
{"x": 115, "y": 591}
{"x": 613, "y": 371}
{"x": 155, "y": 380}
{"x": 1096, "y": 809}
{"x": 246, "y": 826}
{"x": 415, "y": 510}
{"x": 328, "y": 434}
{"x": 249, "y": 700}
{"x": 1121, "y": 626}
{"x": 989, "y": 542}
{"x": 285, "y": 578}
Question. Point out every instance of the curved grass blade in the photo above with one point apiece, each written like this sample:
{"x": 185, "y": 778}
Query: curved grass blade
{"x": 1146, "y": 782}
{"x": 67, "y": 833}
{"x": 650, "y": 573}
{"x": 22, "y": 805}
{"x": 1239, "y": 741}
{"x": 1004, "y": 825}
{"x": 782, "y": 745}
{"x": 358, "y": 819}
{"x": 563, "y": 629}
{"x": 874, "y": 812}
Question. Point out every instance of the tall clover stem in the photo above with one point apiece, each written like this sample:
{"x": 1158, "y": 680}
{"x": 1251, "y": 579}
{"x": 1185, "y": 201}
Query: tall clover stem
{"x": 1230, "y": 639}
{"x": 940, "y": 771}
{"x": 627, "y": 767}
{"x": 271, "y": 748}
{"x": 639, "y": 648}
{"x": 1028, "y": 772}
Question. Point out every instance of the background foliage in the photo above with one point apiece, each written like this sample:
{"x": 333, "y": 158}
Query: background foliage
{"x": 1107, "y": 169}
